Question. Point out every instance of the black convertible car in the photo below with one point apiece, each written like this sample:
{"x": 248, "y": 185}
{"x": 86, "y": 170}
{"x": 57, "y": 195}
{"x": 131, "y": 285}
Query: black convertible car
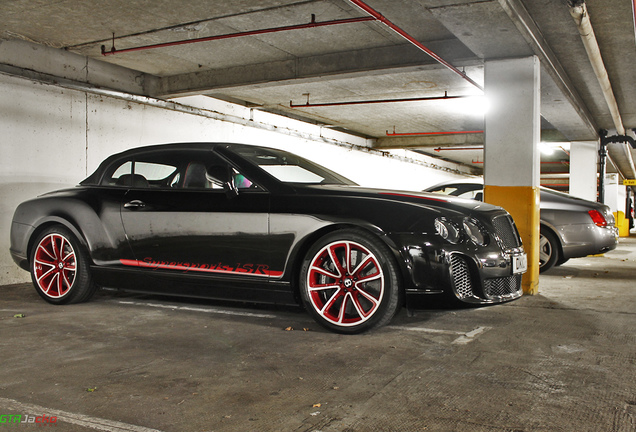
{"x": 255, "y": 224}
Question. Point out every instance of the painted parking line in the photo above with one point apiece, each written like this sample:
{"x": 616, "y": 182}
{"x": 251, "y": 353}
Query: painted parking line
{"x": 470, "y": 336}
{"x": 36, "y": 411}
{"x": 198, "y": 309}
{"x": 463, "y": 339}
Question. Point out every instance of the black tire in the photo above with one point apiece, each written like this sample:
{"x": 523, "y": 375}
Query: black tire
{"x": 548, "y": 250}
{"x": 349, "y": 282}
{"x": 60, "y": 267}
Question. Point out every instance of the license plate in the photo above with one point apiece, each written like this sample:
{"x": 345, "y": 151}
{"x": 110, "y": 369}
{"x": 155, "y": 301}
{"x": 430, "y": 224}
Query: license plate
{"x": 519, "y": 264}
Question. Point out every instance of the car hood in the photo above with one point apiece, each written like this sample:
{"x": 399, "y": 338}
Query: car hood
{"x": 418, "y": 198}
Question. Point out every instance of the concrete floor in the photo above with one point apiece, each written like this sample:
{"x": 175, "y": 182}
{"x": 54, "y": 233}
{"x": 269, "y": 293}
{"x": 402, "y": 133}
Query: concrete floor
{"x": 564, "y": 360}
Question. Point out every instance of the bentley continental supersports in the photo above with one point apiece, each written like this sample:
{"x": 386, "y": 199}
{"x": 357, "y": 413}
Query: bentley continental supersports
{"x": 255, "y": 224}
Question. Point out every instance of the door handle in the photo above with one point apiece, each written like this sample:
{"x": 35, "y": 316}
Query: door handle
{"x": 135, "y": 204}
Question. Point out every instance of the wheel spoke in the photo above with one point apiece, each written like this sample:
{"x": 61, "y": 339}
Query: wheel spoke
{"x": 359, "y": 308}
{"x": 60, "y": 248}
{"x": 65, "y": 276}
{"x": 347, "y": 257}
{"x": 48, "y": 272}
{"x": 51, "y": 283}
{"x": 369, "y": 297}
{"x": 60, "y": 284}
{"x": 334, "y": 259}
{"x": 377, "y": 274}
{"x": 42, "y": 248}
{"x": 366, "y": 279}
{"x": 330, "y": 302}
{"x": 343, "y": 308}
{"x": 545, "y": 250}
{"x": 323, "y": 287}
{"x": 323, "y": 272}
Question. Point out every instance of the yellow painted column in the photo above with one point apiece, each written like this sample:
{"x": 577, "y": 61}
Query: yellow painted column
{"x": 511, "y": 155}
{"x": 522, "y": 202}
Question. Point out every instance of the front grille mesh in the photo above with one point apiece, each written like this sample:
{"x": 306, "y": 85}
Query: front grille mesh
{"x": 507, "y": 232}
{"x": 461, "y": 277}
{"x": 500, "y": 287}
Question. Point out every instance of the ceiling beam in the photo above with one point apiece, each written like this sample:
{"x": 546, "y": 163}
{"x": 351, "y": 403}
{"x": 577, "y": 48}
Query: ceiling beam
{"x": 549, "y": 61}
{"x": 308, "y": 69}
{"x": 386, "y": 143}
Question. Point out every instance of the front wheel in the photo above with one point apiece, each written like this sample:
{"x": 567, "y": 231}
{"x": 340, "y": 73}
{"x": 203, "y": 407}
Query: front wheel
{"x": 60, "y": 267}
{"x": 349, "y": 282}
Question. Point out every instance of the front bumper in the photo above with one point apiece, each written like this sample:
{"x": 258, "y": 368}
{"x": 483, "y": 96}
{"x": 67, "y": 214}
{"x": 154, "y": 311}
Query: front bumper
{"x": 487, "y": 280}
{"x": 478, "y": 275}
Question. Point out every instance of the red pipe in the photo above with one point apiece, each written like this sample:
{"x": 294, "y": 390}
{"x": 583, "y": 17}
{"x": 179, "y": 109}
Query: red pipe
{"x": 312, "y": 24}
{"x": 378, "y": 16}
{"x": 292, "y": 105}
{"x": 432, "y": 133}
{"x": 634, "y": 14}
{"x": 439, "y": 149}
{"x": 542, "y": 163}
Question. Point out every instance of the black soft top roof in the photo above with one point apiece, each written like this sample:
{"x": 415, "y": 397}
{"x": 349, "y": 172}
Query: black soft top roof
{"x": 95, "y": 177}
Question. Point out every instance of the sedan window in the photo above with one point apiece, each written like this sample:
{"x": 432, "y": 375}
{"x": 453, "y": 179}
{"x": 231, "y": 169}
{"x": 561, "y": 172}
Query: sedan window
{"x": 468, "y": 191}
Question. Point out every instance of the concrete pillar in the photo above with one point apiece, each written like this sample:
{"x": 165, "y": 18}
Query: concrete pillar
{"x": 511, "y": 154}
{"x": 583, "y": 169}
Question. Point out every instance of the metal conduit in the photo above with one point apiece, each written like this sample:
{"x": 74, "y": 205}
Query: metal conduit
{"x": 377, "y": 101}
{"x": 312, "y": 24}
{"x": 432, "y": 133}
{"x": 578, "y": 10}
{"x": 378, "y": 16}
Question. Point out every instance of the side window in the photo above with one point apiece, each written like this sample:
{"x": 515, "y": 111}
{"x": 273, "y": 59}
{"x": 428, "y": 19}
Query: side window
{"x": 474, "y": 194}
{"x": 142, "y": 174}
{"x": 119, "y": 175}
{"x": 211, "y": 173}
{"x": 175, "y": 170}
{"x": 155, "y": 173}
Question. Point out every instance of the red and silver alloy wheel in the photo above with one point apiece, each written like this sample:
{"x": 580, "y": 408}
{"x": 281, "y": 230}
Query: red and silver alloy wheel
{"x": 54, "y": 265}
{"x": 345, "y": 283}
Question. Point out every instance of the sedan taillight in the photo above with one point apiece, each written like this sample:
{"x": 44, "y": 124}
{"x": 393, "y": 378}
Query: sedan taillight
{"x": 598, "y": 218}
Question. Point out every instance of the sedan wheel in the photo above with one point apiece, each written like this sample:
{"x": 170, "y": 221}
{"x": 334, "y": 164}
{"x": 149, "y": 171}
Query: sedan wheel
{"x": 349, "y": 282}
{"x": 59, "y": 267}
{"x": 548, "y": 250}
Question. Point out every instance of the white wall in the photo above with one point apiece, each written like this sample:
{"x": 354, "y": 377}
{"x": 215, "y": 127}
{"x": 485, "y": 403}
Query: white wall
{"x": 583, "y": 176}
{"x": 52, "y": 137}
{"x": 615, "y": 193}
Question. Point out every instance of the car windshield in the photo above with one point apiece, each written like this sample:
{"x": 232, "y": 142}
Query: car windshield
{"x": 289, "y": 168}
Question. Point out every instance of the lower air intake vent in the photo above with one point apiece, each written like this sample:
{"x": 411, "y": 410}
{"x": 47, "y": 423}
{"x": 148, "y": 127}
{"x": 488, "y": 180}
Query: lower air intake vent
{"x": 461, "y": 277}
{"x": 501, "y": 287}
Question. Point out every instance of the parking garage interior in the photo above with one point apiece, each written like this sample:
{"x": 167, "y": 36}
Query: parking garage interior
{"x": 396, "y": 95}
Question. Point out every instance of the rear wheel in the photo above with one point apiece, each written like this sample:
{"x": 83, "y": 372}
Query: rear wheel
{"x": 60, "y": 267}
{"x": 349, "y": 282}
{"x": 548, "y": 250}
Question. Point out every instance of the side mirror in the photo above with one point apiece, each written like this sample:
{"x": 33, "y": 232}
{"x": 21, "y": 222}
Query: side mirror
{"x": 222, "y": 175}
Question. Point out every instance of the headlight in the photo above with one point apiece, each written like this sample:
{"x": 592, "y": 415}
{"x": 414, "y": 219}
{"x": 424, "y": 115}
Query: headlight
{"x": 475, "y": 233}
{"x": 447, "y": 230}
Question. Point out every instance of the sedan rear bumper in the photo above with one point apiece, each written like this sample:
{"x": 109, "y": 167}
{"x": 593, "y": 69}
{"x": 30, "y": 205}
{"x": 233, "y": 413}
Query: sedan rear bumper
{"x": 587, "y": 239}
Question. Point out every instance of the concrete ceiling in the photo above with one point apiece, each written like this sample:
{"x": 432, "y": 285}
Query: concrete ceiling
{"x": 358, "y": 61}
